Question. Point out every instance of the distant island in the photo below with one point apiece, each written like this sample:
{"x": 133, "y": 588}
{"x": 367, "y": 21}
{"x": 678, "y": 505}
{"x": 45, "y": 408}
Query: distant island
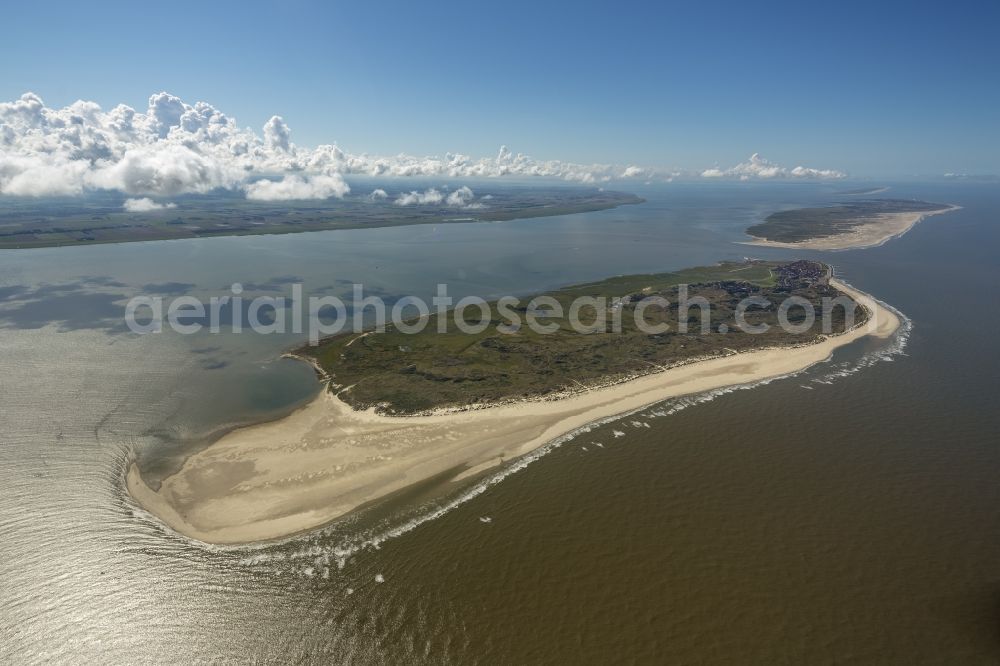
{"x": 861, "y": 191}
{"x": 100, "y": 218}
{"x": 428, "y": 411}
{"x": 860, "y": 224}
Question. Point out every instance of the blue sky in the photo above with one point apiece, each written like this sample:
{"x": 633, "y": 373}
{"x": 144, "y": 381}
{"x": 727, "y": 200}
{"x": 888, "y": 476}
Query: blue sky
{"x": 888, "y": 89}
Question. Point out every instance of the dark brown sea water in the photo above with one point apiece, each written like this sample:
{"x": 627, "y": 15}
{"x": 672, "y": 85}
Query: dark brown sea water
{"x": 850, "y": 514}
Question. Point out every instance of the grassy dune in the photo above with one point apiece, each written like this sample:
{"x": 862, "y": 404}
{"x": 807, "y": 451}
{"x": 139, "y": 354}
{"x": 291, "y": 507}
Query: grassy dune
{"x": 402, "y": 373}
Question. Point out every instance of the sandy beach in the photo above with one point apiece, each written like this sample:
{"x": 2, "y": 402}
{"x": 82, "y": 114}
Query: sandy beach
{"x": 276, "y": 479}
{"x": 881, "y": 229}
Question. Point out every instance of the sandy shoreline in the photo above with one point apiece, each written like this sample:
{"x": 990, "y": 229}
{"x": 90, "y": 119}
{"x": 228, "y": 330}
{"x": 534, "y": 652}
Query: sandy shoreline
{"x": 275, "y": 479}
{"x": 883, "y": 229}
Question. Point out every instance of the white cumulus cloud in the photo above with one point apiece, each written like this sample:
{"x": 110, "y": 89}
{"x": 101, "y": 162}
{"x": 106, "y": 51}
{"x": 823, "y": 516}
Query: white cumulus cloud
{"x": 162, "y": 168}
{"x": 145, "y": 205}
{"x": 277, "y": 136}
{"x": 463, "y": 198}
{"x": 173, "y": 147}
{"x": 425, "y": 198}
{"x": 759, "y": 168}
{"x": 291, "y": 188}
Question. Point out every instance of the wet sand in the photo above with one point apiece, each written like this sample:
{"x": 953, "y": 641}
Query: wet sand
{"x": 276, "y": 479}
{"x": 881, "y": 229}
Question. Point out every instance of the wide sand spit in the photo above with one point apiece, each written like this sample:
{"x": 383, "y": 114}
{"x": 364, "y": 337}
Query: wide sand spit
{"x": 276, "y": 479}
{"x": 881, "y": 229}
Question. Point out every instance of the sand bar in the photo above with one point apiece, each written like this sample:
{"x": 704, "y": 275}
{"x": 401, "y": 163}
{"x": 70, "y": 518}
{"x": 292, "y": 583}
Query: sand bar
{"x": 881, "y": 229}
{"x": 276, "y": 479}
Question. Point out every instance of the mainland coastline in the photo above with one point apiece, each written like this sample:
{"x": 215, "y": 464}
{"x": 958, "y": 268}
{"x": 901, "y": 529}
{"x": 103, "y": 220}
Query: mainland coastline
{"x": 100, "y": 220}
{"x": 273, "y": 480}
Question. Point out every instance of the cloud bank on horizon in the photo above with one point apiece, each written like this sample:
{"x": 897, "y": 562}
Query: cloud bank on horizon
{"x": 176, "y": 148}
{"x": 759, "y": 168}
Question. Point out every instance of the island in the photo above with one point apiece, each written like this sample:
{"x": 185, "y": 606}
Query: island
{"x": 860, "y": 224}
{"x": 403, "y": 373}
{"x": 396, "y": 411}
{"x": 862, "y": 191}
{"x": 100, "y": 218}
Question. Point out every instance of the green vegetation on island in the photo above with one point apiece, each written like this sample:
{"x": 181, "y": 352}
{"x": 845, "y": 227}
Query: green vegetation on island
{"x": 101, "y": 219}
{"x": 399, "y": 373}
{"x": 804, "y": 224}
